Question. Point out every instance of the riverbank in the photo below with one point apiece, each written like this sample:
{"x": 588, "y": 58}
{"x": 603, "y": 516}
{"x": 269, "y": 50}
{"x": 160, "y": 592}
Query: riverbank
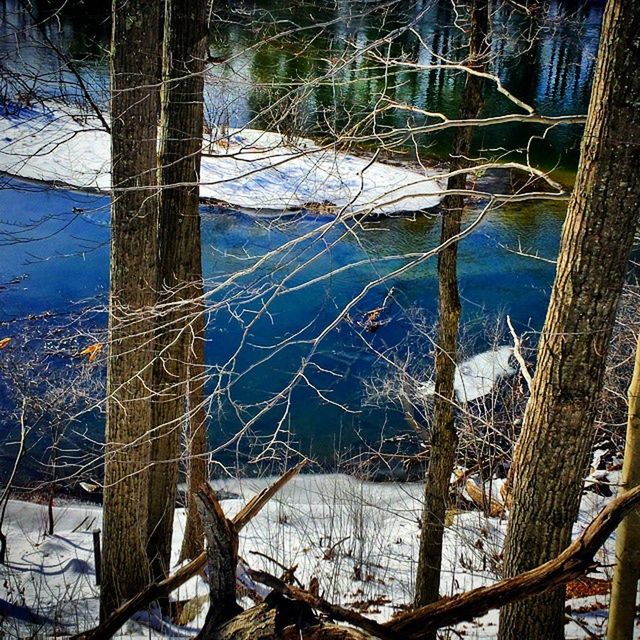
{"x": 253, "y": 171}
{"x": 358, "y": 539}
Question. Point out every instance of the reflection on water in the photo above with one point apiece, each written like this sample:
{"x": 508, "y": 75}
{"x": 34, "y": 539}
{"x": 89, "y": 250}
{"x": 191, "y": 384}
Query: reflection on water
{"x": 66, "y": 265}
{"x": 311, "y": 67}
{"x": 316, "y": 67}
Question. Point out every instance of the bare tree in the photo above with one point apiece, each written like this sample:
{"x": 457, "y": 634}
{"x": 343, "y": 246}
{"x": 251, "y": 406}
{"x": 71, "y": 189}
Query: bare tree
{"x": 624, "y": 588}
{"x": 444, "y": 438}
{"x": 180, "y": 285}
{"x": 553, "y": 450}
{"x": 134, "y": 275}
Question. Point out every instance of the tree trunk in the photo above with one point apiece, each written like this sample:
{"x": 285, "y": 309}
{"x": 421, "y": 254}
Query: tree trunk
{"x": 197, "y": 467}
{"x": 134, "y": 221}
{"x": 624, "y": 591}
{"x": 553, "y": 450}
{"x": 180, "y": 275}
{"x": 444, "y": 437}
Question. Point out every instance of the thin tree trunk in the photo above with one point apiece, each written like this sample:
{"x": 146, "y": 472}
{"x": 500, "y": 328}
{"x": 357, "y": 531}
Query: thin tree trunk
{"x": 553, "y": 451}
{"x": 134, "y": 221}
{"x": 624, "y": 591}
{"x": 197, "y": 467}
{"x": 184, "y": 53}
{"x": 444, "y": 437}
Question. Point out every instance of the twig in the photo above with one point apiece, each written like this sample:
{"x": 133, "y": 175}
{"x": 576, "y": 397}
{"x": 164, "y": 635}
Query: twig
{"x": 287, "y": 570}
{"x": 517, "y": 352}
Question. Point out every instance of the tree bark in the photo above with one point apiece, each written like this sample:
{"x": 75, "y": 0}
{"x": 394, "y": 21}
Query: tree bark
{"x": 180, "y": 274}
{"x": 134, "y": 222}
{"x": 553, "y": 450}
{"x": 197, "y": 442}
{"x": 624, "y": 588}
{"x": 444, "y": 437}
{"x": 222, "y": 559}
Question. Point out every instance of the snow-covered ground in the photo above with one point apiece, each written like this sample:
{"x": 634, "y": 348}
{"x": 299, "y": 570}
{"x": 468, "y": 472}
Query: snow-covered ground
{"x": 252, "y": 170}
{"x": 359, "y": 539}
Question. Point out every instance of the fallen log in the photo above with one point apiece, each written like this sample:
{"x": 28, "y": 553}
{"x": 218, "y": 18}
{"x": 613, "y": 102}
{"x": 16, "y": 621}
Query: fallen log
{"x": 573, "y": 562}
{"x": 335, "y": 612}
{"x": 275, "y": 620}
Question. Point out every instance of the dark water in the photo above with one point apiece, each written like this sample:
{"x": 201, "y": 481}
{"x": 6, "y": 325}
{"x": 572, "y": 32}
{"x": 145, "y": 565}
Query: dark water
{"x": 313, "y": 67}
{"x": 280, "y": 56}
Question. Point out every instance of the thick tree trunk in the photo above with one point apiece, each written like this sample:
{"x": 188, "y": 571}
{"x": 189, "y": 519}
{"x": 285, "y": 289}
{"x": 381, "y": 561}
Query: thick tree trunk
{"x": 444, "y": 437}
{"x": 180, "y": 276}
{"x": 624, "y": 591}
{"x": 553, "y": 451}
{"x": 134, "y": 221}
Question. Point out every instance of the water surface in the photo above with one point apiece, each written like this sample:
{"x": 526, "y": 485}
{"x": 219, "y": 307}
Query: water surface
{"x": 297, "y": 67}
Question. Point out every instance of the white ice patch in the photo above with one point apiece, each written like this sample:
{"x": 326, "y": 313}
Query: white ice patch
{"x": 252, "y": 170}
{"x": 477, "y": 376}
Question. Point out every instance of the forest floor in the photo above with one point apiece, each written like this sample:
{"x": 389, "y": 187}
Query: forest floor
{"x": 359, "y": 539}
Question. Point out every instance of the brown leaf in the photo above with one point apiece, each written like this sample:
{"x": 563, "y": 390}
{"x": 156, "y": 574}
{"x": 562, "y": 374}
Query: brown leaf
{"x": 92, "y": 351}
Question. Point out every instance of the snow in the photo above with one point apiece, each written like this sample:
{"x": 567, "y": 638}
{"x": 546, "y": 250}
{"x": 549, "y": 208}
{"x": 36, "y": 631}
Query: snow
{"x": 251, "y": 170}
{"x": 360, "y": 539}
{"x": 476, "y": 376}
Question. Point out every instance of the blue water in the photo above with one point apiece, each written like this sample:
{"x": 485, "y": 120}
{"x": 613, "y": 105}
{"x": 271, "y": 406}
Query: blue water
{"x": 54, "y": 265}
{"x": 55, "y": 242}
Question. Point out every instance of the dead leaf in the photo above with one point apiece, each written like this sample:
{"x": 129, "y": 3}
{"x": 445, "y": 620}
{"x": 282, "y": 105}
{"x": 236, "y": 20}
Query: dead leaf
{"x": 4, "y": 342}
{"x": 92, "y": 351}
{"x": 585, "y": 586}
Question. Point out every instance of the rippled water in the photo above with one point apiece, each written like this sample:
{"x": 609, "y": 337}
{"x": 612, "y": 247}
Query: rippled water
{"x": 65, "y": 263}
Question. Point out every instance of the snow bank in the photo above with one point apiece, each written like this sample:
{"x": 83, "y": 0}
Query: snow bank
{"x": 477, "y": 376}
{"x": 251, "y": 170}
{"x": 359, "y": 539}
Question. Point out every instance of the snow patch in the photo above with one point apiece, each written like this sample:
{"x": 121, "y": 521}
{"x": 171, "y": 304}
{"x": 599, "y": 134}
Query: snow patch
{"x": 252, "y": 170}
{"x": 359, "y": 539}
{"x": 476, "y": 377}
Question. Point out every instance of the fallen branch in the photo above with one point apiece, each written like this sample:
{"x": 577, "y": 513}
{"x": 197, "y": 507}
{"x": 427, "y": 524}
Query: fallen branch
{"x": 334, "y": 611}
{"x": 255, "y": 505}
{"x": 161, "y": 589}
{"x": 573, "y": 562}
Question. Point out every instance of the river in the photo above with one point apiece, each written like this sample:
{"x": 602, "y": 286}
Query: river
{"x": 54, "y": 265}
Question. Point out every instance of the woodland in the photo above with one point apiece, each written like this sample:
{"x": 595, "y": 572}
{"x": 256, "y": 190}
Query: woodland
{"x": 319, "y": 320}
